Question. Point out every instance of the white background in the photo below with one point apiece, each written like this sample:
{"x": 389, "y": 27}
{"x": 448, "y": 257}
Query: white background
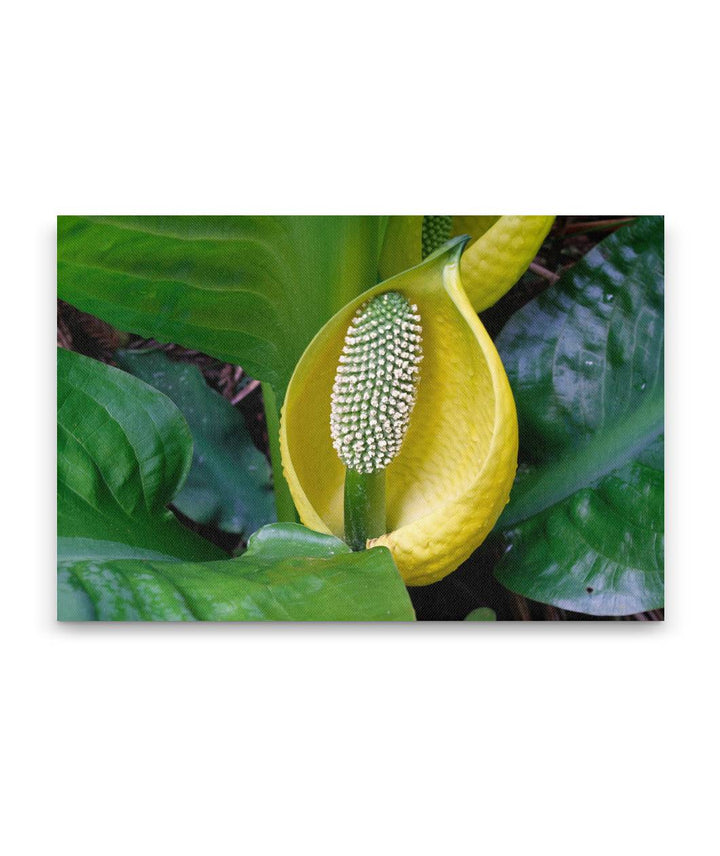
{"x": 501, "y": 739}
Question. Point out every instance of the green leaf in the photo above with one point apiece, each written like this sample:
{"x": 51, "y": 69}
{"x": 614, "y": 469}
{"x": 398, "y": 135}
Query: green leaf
{"x": 585, "y": 361}
{"x": 124, "y": 449}
{"x": 249, "y": 290}
{"x": 229, "y": 483}
{"x": 482, "y": 613}
{"x": 288, "y": 573}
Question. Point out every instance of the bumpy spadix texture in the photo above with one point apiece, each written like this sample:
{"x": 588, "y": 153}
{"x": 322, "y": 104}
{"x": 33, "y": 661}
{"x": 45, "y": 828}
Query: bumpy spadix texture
{"x": 374, "y": 391}
{"x": 435, "y": 231}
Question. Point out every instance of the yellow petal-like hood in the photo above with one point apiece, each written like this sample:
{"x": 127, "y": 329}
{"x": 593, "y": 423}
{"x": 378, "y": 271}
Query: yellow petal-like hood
{"x": 498, "y": 258}
{"x": 500, "y": 250}
{"x": 452, "y": 478}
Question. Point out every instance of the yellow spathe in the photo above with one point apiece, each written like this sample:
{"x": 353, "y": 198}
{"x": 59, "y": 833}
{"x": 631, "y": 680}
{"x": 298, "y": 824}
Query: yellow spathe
{"x": 453, "y": 475}
{"x": 498, "y": 254}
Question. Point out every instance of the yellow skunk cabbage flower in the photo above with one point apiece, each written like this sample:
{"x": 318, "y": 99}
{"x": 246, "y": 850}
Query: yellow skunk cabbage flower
{"x": 498, "y": 254}
{"x": 452, "y": 476}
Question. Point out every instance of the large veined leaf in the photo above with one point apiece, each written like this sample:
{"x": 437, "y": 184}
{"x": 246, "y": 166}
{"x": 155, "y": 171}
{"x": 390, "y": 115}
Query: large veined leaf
{"x": 228, "y": 484}
{"x": 124, "y": 449}
{"x": 249, "y": 290}
{"x": 288, "y": 573}
{"x": 585, "y": 361}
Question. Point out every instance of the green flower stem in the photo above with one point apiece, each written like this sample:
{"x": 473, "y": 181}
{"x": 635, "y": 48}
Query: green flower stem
{"x": 364, "y": 507}
{"x": 284, "y": 505}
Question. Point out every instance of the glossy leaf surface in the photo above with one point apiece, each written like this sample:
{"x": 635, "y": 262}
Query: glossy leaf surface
{"x": 124, "y": 449}
{"x": 228, "y": 484}
{"x": 249, "y": 290}
{"x": 288, "y": 573}
{"x": 585, "y": 362}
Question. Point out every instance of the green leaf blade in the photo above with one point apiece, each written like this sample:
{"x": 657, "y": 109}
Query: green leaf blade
{"x": 482, "y": 613}
{"x": 288, "y": 573}
{"x": 585, "y": 360}
{"x": 582, "y": 355}
{"x": 252, "y": 291}
{"x": 124, "y": 557}
{"x": 123, "y": 451}
{"x": 228, "y": 484}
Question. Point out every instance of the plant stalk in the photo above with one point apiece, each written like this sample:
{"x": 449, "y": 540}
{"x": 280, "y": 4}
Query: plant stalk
{"x": 284, "y": 505}
{"x": 364, "y": 507}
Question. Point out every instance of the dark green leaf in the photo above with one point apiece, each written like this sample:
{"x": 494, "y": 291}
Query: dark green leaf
{"x": 124, "y": 449}
{"x": 249, "y": 290}
{"x": 229, "y": 483}
{"x": 585, "y": 361}
{"x": 288, "y": 573}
